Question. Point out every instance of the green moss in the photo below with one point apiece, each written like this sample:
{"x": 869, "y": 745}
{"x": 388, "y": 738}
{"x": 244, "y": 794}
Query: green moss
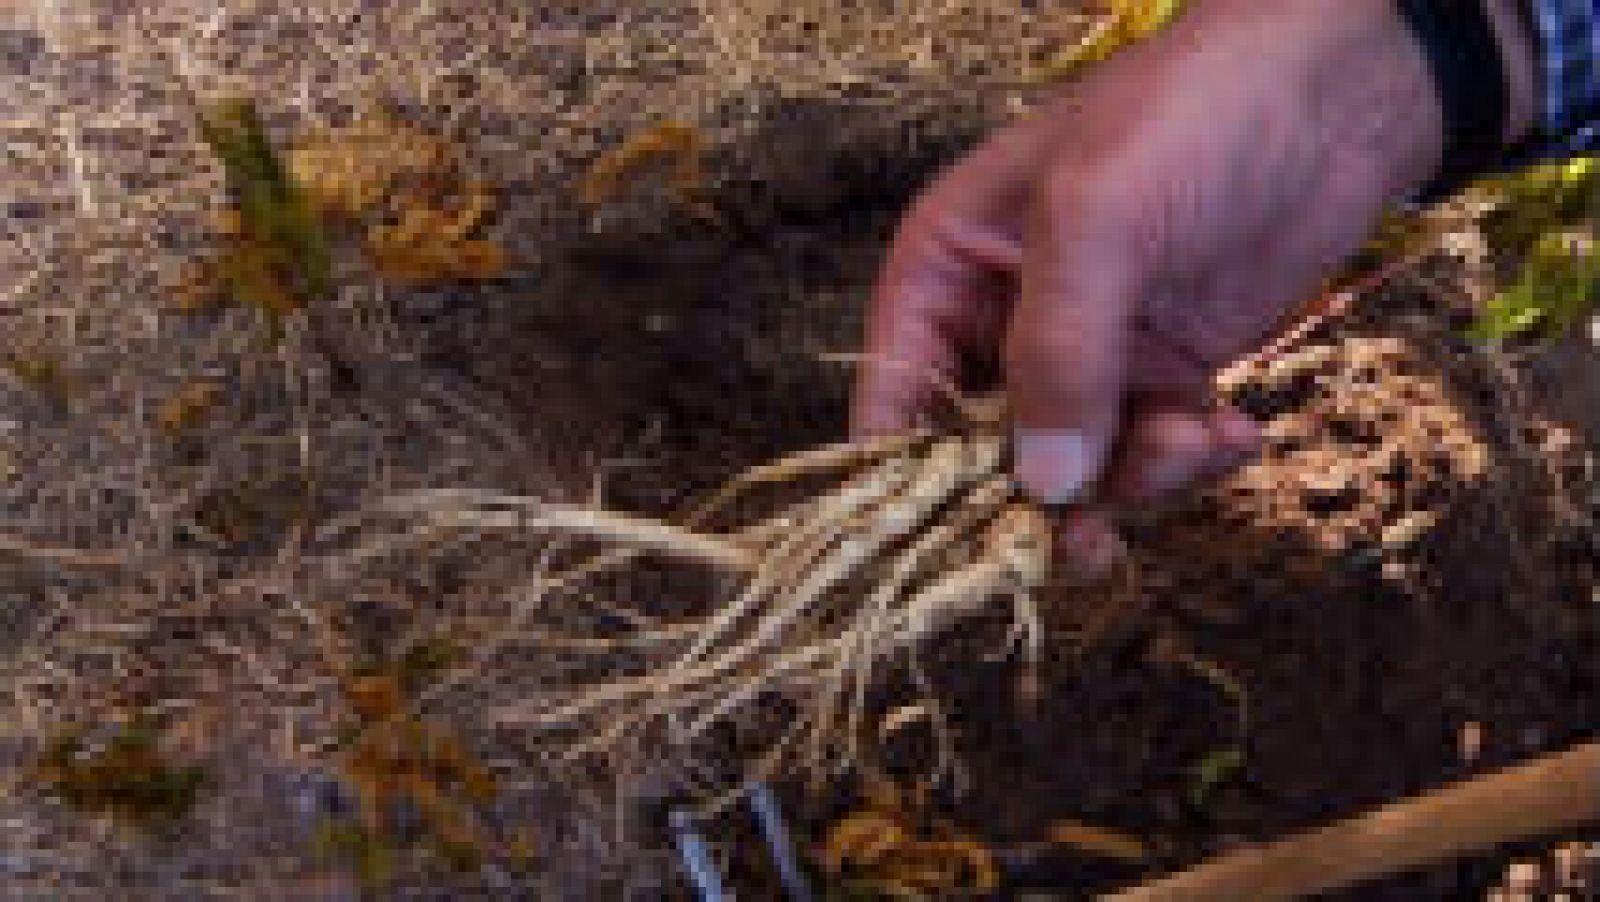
{"x": 43, "y": 374}
{"x": 1554, "y": 292}
{"x": 370, "y": 857}
{"x": 123, "y": 774}
{"x": 1218, "y": 768}
{"x": 1544, "y": 220}
{"x": 280, "y": 259}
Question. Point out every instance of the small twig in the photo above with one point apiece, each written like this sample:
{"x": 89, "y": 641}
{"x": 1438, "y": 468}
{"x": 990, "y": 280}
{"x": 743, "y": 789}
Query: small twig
{"x": 1334, "y": 304}
{"x": 76, "y": 557}
{"x": 1548, "y": 795}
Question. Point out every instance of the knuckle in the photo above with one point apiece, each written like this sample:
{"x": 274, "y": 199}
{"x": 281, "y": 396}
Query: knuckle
{"x": 1177, "y": 436}
{"x": 1085, "y": 195}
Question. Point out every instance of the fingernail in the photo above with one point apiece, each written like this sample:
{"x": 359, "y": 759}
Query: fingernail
{"x": 1055, "y": 466}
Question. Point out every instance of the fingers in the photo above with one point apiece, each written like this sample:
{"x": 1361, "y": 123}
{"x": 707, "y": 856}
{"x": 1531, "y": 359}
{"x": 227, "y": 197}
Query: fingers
{"x": 1170, "y": 449}
{"x": 1237, "y": 441}
{"x": 934, "y": 299}
{"x": 1066, "y": 344}
{"x": 908, "y": 354}
{"x": 1166, "y": 450}
{"x": 934, "y": 303}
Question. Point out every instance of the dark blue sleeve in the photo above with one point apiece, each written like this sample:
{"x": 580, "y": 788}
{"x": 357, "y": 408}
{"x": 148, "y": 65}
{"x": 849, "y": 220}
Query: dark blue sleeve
{"x": 1568, "y": 36}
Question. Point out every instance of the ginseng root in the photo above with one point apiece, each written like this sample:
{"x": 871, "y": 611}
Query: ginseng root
{"x": 830, "y": 594}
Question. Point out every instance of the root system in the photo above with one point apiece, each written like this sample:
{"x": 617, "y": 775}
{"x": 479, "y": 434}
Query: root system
{"x": 825, "y": 599}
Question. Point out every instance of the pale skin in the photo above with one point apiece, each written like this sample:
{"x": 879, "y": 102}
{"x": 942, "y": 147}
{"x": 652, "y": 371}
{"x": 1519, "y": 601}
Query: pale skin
{"x": 1163, "y": 216}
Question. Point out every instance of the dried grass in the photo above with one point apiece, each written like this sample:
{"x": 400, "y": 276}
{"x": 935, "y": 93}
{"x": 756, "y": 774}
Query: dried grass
{"x": 157, "y": 549}
{"x": 121, "y": 589}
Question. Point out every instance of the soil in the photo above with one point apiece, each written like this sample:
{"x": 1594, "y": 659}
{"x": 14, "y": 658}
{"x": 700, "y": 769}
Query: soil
{"x": 1399, "y": 594}
{"x": 1402, "y": 586}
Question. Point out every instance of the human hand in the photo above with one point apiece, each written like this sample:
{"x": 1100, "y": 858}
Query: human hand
{"x": 1162, "y": 217}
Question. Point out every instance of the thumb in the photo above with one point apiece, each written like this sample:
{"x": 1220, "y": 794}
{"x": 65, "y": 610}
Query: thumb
{"x": 1066, "y": 349}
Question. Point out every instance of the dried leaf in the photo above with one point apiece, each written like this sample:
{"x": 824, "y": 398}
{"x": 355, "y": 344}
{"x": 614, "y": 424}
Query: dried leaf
{"x": 354, "y": 171}
{"x": 942, "y": 867}
{"x": 673, "y": 144}
{"x": 376, "y": 697}
{"x": 860, "y": 840}
{"x": 424, "y": 262}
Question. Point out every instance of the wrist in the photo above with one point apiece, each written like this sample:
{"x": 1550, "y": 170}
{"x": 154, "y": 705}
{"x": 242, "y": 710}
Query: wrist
{"x": 1517, "y": 50}
{"x": 1483, "y": 81}
{"x": 1374, "y": 96}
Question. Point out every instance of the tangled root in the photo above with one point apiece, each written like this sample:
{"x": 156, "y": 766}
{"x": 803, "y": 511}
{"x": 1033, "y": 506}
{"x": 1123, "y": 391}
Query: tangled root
{"x": 832, "y": 596}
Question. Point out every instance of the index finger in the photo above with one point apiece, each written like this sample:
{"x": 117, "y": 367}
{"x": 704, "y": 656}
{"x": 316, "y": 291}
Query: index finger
{"x": 935, "y": 289}
{"x": 934, "y": 305}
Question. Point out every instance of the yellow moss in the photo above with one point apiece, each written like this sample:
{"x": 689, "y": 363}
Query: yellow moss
{"x": 397, "y": 758}
{"x": 407, "y": 191}
{"x": 880, "y": 849}
{"x": 673, "y": 144}
{"x": 41, "y": 372}
{"x": 374, "y": 697}
{"x": 373, "y": 861}
{"x": 862, "y": 837}
{"x": 1531, "y": 202}
{"x": 402, "y": 190}
{"x": 409, "y": 254}
{"x": 522, "y": 850}
{"x": 187, "y": 407}
{"x": 354, "y": 171}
